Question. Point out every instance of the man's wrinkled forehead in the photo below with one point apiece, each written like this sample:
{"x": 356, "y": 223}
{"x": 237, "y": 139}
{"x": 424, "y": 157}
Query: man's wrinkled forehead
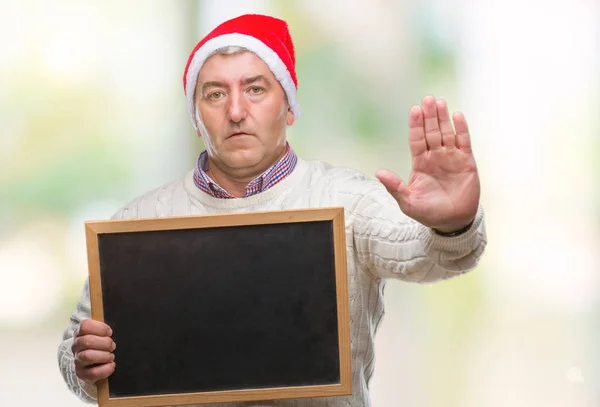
{"x": 239, "y": 69}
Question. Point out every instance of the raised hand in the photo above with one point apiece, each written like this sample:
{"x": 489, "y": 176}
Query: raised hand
{"x": 443, "y": 189}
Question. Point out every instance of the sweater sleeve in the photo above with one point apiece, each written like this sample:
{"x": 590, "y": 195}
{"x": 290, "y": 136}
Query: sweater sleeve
{"x": 85, "y": 391}
{"x": 392, "y": 245}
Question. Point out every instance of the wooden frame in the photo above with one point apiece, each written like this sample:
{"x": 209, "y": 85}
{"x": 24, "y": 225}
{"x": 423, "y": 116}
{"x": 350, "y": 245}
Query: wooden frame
{"x": 335, "y": 215}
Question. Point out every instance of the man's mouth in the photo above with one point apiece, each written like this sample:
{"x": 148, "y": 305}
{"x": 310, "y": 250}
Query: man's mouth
{"x": 238, "y": 134}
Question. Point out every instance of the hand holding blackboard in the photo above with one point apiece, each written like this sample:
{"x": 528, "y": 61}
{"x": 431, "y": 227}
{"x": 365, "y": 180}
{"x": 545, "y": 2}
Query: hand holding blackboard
{"x": 93, "y": 349}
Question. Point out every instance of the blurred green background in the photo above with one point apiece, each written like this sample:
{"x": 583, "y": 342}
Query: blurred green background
{"x": 92, "y": 113}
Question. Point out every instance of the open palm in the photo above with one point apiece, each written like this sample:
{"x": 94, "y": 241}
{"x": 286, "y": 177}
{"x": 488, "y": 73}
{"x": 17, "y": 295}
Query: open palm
{"x": 443, "y": 189}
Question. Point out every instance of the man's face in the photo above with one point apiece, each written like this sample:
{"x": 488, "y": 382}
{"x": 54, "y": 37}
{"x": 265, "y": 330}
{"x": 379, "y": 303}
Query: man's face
{"x": 244, "y": 110}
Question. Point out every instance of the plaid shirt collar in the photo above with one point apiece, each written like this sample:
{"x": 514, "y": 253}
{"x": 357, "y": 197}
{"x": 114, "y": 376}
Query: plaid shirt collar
{"x": 266, "y": 180}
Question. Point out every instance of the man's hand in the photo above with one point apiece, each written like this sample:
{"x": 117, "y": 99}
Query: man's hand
{"x": 443, "y": 189}
{"x": 92, "y": 349}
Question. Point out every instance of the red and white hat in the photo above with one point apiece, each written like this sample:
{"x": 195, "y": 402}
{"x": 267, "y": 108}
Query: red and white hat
{"x": 267, "y": 37}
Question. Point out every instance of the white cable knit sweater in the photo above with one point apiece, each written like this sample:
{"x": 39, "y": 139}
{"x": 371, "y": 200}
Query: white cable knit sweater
{"x": 381, "y": 241}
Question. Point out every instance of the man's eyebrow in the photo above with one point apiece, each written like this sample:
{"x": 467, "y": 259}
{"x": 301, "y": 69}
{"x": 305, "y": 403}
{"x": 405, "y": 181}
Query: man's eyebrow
{"x": 211, "y": 84}
{"x": 256, "y": 78}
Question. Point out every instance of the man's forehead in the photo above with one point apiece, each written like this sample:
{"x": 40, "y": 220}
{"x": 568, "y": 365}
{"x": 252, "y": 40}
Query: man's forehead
{"x": 234, "y": 68}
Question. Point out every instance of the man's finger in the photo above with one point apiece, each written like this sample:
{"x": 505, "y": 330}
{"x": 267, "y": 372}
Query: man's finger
{"x": 93, "y": 374}
{"x": 416, "y": 132}
{"x": 91, "y": 357}
{"x": 448, "y": 138}
{"x": 104, "y": 343}
{"x": 394, "y": 185}
{"x": 463, "y": 138}
{"x": 93, "y": 327}
{"x": 433, "y": 135}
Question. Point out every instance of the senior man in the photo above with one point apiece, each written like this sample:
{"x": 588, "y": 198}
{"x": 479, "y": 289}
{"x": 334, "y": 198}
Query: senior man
{"x": 240, "y": 84}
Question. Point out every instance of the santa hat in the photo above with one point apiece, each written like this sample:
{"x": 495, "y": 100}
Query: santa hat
{"x": 267, "y": 37}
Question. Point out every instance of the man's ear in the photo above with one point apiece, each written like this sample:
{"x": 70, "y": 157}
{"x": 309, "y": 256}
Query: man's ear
{"x": 290, "y": 117}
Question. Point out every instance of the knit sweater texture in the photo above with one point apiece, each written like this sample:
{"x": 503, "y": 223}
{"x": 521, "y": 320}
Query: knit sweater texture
{"x": 381, "y": 243}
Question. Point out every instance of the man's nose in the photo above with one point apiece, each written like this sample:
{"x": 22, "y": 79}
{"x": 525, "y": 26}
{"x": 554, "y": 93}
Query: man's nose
{"x": 238, "y": 107}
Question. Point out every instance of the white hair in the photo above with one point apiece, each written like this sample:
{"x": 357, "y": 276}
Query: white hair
{"x": 229, "y": 50}
{"x": 200, "y": 125}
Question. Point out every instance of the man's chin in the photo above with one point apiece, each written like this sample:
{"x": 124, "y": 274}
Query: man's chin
{"x": 240, "y": 160}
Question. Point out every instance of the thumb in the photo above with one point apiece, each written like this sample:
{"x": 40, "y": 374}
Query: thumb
{"x": 395, "y": 186}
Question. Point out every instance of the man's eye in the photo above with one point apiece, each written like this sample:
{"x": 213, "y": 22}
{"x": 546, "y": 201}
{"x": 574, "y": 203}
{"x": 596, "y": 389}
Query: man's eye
{"x": 215, "y": 95}
{"x": 256, "y": 90}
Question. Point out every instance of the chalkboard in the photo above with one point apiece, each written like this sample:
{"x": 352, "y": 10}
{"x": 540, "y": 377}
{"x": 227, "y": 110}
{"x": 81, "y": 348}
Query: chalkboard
{"x": 218, "y": 308}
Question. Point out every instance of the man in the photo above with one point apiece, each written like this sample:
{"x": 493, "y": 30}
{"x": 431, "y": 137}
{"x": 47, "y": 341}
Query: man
{"x": 240, "y": 85}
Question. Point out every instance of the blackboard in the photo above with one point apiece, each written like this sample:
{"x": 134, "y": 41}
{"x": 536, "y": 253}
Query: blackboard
{"x": 218, "y": 308}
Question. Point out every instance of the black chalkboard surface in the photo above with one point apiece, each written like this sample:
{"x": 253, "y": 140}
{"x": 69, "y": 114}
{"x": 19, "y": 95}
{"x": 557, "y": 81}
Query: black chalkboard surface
{"x": 218, "y": 308}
